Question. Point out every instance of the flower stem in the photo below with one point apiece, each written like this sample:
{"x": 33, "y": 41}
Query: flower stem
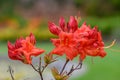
{"x": 67, "y": 60}
{"x": 79, "y": 66}
{"x": 11, "y": 71}
{"x": 39, "y": 71}
{"x": 44, "y": 68}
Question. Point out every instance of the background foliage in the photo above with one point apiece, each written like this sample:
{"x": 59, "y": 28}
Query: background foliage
{"x": 101, "y": 13}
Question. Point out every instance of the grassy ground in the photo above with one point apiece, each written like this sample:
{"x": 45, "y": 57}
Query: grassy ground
{"x": 107, "y": 68}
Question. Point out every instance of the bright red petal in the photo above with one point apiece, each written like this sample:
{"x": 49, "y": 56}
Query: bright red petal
{"x": 36, "y": 51}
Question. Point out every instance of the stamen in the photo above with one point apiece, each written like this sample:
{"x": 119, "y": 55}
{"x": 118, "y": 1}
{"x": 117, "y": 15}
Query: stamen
{"x": 78, "y": 19}
{"x": 113, "y": 42}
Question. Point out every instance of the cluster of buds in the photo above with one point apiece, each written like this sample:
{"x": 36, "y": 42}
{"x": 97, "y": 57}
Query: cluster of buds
{"x": 72, "y": 41}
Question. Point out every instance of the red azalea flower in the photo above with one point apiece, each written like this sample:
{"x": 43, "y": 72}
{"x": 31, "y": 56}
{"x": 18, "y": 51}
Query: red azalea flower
{"x": 66, "y": 44}
{"x": 89, "y": 42}
{"x": 23, "y": 49}
{"x": 71, "y": 26}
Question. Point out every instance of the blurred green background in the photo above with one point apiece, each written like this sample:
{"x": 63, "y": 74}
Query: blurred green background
{"x": 21, "y": 17}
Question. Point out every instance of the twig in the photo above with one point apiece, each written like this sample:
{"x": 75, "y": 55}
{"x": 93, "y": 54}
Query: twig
{"x": 11, "y": 72}
{"x": 71, "y": 70}
{"x": 44, "y": 68}
{"x": 79, "y": 66}
{"x": 34, "y": 68}
{"x": 39, "y": 71}
{"x": 39, "y": 64}
{"x": 67, "y": 60}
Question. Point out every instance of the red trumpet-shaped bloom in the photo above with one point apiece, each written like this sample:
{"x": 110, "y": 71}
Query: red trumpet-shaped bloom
{"x": 24, "y": 49}
{"x": 89, "y": 42}
{"x": 65, "y": 44}
{"x": 71, "y": 26}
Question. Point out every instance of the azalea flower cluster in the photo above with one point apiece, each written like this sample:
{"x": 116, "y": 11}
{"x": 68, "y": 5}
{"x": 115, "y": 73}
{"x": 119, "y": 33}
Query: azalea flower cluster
{"x": 23, "y": 49}
{"x": 72, "y": 41}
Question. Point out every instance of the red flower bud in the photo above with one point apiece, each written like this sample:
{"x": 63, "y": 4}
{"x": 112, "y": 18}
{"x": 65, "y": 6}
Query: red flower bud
{"x": 53, "y": 28}
{"x": 62, "y": 23}
{"x": 73, "y": 24}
